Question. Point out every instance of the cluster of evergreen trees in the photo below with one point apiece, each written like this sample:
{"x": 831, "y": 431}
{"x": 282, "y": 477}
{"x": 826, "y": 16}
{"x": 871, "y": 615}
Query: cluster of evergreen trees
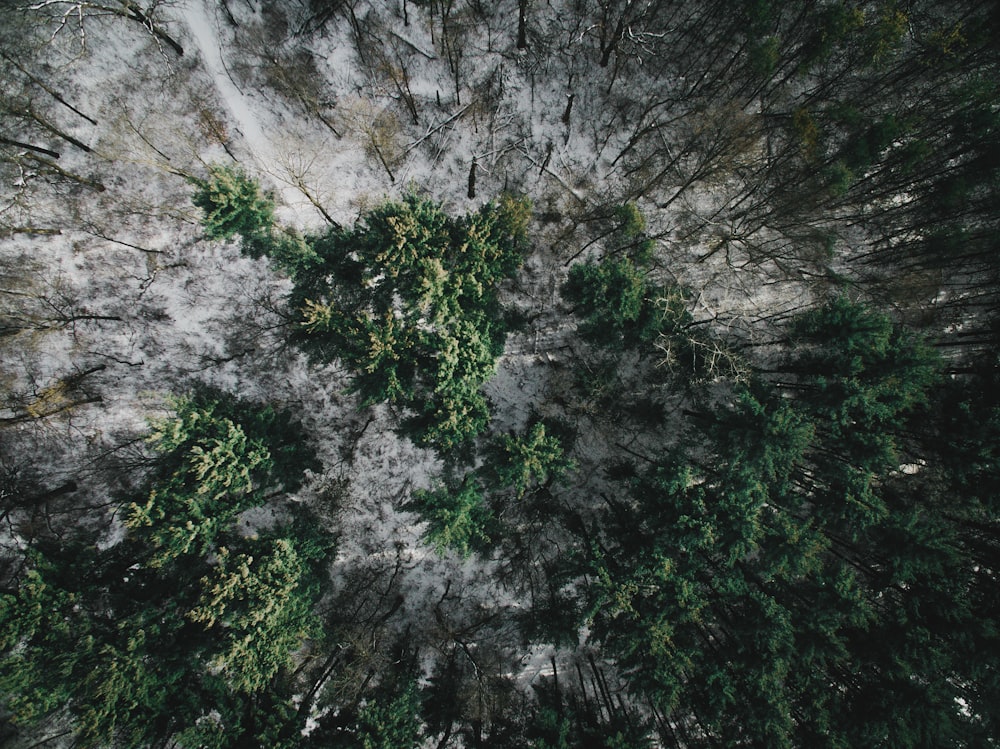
{"x": 180, "y": 628}
{"x": 780, "y": 580}
{"x": 799, "y": 548}
{"x": 811, "y": 565}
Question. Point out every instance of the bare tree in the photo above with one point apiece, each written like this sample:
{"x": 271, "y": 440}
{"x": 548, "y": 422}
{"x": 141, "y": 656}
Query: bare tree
{"x": 378, "y": 129}
{"x": 73, "y": 13}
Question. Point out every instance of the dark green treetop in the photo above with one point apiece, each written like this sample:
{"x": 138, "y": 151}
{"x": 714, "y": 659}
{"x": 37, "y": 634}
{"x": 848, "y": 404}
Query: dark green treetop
{"x": 181, "y": 627}
{"x": 408, "y": 298}
{"x": 618, "y": 305}
{"x": 232, "y": 204}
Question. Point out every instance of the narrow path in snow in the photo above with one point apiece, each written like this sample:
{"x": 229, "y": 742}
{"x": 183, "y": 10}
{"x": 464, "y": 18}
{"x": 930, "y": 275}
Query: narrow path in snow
{"x": 202, "y": 24}
{"x": 253, "y": 117}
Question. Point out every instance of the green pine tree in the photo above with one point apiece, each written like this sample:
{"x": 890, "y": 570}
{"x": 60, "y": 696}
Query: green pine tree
{"x": 232, "y": 204}
{"x": 408, "y": 299}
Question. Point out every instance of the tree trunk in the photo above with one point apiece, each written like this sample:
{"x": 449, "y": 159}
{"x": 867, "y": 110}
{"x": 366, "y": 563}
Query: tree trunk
{"x": 54, "y": 94}
{"x": 68, "y": 175}
{"x": 566, "y": 116}
{"x": 56, "y": 131}
{"x": 34, "y": 230}
{"x": 67, "y": 488}
{"x": 229, "y": 14}
{"x": 522, "y": 24}
{"x": 134, "y": 12}
{"x": 612, "y": 45}
{"x": 36, "y": 149}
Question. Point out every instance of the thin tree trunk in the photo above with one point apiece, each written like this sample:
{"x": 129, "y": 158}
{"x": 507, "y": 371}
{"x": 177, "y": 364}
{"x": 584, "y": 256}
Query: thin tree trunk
{"x": 567, "y": 113}
{"x": 229, "y": 14}
{"x": 319, "y": 206}
{"x": 67, "y": 488}
{"x": 21, "y": 418}
{"x": 54, "y": 94}
{"x": 522, "y": 24}
{"x": 35, "y": 230}
{"x": 68, "y": 175}
{"x": 135, "y": 13}
{"x": 36, "y": 149}
{"x": 57, "y": 132}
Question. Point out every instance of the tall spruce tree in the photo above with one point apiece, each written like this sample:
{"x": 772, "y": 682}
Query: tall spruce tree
{"x": 178, "y": 629}
{"x": 408, "y": 298}
{"x": 232, "y": 204}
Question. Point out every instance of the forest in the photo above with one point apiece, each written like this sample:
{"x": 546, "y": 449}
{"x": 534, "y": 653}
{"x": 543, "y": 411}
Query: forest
{"x": 614, "y": 374}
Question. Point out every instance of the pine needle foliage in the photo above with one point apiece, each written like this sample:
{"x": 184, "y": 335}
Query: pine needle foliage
{"x": 409, "y": 299}
{"x": 232, "y": 204}
{"x": 174, "y": 633}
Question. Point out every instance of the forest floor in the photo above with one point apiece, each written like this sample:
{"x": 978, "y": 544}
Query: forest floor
{"x": 120, "y": 303}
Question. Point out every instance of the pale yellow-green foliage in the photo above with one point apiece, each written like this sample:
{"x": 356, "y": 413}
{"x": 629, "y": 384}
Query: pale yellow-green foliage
{"x": 808, "y": 131}
{"x": 318, "y": 316}
{"x": 948, "y": 41}
{"x": 382, "y": 343}
{"x": 261, "y": 606}
{"x": 408, "y": 236}
{"x": 211, "y": 485}
{"x": 531, "y": 459}
{"x": 432, "y": 280}
{"x": 49, "y": 400}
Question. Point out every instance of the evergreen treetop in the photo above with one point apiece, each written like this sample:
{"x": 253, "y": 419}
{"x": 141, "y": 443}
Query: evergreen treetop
{"x": 232, "y": 204}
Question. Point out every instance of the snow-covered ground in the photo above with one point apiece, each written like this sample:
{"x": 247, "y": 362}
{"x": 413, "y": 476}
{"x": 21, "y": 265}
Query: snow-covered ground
{"x": 176, "y": 310}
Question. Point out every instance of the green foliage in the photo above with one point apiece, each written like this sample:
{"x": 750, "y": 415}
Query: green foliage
{"x": 262, "y": 608}
{"x": 764, "y": 55}
{"x": 278, "y": 430}
{"x": 34, "y": 679}
{"x": 287, "y": 249}
{"x": 807, "y": 132}
{"x": 532, "y": 459}
{"x": 99, "y": 663}
{"x": 555, "y": 730}
{"x": 806, "y": 562}
{"x": 780, "y": 578}
{"x": 867, "y": 143}
{"x": 408, "y": 298}
{"x": 758, "y": 15}
{"x": 619, "y": 307}
{"x": 836, "y": 25}
{"x": 885, "y": 33}
{"x": 217, "y": 476}
{"x": 968, "y": 415}
{"x": 838, "y": 178}
{"x": 564, "y": 720}
{"x": 771, "y": 437}
{"x": 216, "y": 458}
{"x": 180, "y": 627}
{"x": 390, "y": 724}
{"x": 231, "y": 204}
{"x": 630, "y": 235}
{"x": 456, "y": 411}
{"x": 612, "y": 291}
{"x": 384, "y": 717}
{"x": 633, "y": 223}
{"x": 861, "y": 371}
{"x": 457, "y": 517}
{"x": 125, "y": 688}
